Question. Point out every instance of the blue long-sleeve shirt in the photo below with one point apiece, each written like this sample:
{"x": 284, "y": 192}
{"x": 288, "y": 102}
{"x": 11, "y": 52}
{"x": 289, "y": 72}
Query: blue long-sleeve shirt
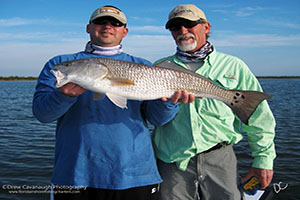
{"x": 97, "y": 143}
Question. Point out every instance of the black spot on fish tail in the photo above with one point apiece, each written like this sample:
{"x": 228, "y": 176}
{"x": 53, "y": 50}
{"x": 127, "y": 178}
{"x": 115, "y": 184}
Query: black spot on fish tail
{"x": 244, "y": 103}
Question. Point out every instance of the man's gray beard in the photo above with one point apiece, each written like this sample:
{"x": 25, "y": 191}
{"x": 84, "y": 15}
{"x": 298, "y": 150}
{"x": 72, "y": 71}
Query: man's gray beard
{"x": 186, "y": 46}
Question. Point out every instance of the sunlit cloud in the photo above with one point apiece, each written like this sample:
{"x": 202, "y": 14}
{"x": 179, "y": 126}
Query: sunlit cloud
{"x": 44, "y": 37}
{"x": 29, "y": 58}
{"x": 257, "y": 40}
{"x": 151, "y": 47}
{"x": 141, "y": 19}
{"x": 149, "y": 29}
{"x": 248, "y": 11}
{"x": 239, "y": 12}
{"x": 33, "y": 49}
{"x": 280, "y": 23}
{"x": 16, "y": 21}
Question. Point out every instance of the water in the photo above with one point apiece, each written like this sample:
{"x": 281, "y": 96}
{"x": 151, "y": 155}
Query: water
{"x": 285, "y": 107}
{"x": 27, "y": 146}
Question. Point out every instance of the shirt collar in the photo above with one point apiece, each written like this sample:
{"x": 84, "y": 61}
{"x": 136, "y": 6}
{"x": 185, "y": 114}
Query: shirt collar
{"x": 210, "y": 59}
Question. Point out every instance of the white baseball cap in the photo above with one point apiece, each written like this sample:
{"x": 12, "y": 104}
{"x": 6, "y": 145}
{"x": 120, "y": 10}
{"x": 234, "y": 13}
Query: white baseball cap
{"x": 186, "y": 11}
{"x": 109, "y": 11}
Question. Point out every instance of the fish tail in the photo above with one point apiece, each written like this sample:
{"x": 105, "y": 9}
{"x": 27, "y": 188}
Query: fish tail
{"x": 244, "y": 103}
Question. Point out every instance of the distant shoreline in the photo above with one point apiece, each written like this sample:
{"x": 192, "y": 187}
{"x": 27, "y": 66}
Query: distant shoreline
{"x": 278, "y": 77}
{"x": 17, "y": 78}
{"x": 31, "y": 78}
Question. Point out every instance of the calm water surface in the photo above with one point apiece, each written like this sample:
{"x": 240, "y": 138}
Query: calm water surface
{"x": 27, "y": 146}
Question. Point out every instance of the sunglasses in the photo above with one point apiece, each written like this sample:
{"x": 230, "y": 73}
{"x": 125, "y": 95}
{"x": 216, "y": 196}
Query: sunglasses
{"x": 112, "y": 21}
{"x": 176, "y": 25}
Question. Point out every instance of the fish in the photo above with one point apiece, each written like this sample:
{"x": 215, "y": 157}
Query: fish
{"x": 123, "y": 80}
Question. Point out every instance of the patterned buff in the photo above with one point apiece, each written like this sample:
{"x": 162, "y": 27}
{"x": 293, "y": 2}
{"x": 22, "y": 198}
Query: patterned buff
{"x": 196, "y": 56}
{"x": 106, "y": 51}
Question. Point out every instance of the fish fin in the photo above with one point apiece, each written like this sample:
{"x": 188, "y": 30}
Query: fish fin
{"x": 244, "y": 103}
{"x": 118, "y": 100}
{"x": 61, "y": 79}
{"x": 169, "y": 65}
{"x": 103, "y": 71}
{"x": 98, "y": 96}
{"x": 120, "y": 82}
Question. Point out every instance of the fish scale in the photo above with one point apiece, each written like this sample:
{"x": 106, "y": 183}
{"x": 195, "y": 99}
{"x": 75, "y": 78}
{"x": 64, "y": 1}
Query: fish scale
{"x": 122, "y": 80}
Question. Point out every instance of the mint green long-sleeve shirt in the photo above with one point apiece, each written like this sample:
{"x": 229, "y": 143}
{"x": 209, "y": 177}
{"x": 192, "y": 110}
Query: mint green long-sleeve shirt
{"x": 200, "y": 125}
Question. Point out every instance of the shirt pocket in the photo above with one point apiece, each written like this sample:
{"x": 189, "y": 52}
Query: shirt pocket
{"x": 227, "y": 81}
{"x": 215, "y": 108}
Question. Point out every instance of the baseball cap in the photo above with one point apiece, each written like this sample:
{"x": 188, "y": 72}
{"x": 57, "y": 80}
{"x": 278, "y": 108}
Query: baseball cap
{"x": 109, "y": 11}
{"x": 186, "y": 11}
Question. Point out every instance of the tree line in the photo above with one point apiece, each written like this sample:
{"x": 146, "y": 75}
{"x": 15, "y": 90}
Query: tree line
{"x": 17, "y": 78}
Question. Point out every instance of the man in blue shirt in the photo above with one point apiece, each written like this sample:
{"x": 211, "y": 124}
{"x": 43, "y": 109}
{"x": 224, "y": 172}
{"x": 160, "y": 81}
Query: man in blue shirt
{"x": 101, "y": 151}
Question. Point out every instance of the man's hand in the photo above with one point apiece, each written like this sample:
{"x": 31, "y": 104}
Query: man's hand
{"x": 72, "y": 89}
{"x": 180, "y": 96}
{"x": 264, "y": 176}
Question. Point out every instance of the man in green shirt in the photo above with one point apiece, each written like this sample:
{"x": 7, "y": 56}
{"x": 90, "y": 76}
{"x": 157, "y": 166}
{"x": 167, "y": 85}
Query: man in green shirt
{"x": 194, "y": 151}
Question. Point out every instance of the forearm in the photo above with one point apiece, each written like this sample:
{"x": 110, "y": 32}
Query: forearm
{"x": 159, "y": 112}
{"x": 48, "y": 106}
{"x": 261, "y": 133}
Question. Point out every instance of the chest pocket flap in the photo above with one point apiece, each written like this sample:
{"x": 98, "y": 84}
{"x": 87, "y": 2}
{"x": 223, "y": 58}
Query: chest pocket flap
{"x": 227, "y": 81}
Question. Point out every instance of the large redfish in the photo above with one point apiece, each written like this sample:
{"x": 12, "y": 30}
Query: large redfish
{"x": 121, "y": 80}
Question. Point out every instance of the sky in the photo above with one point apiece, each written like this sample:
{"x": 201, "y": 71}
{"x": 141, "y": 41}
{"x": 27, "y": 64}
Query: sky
{"x": 265, "y": 34}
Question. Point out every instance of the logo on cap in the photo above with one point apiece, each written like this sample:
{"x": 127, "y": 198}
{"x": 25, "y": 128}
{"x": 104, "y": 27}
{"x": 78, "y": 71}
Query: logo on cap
{"x": 109, "y": 10}
{"x": 180, "y": 11}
